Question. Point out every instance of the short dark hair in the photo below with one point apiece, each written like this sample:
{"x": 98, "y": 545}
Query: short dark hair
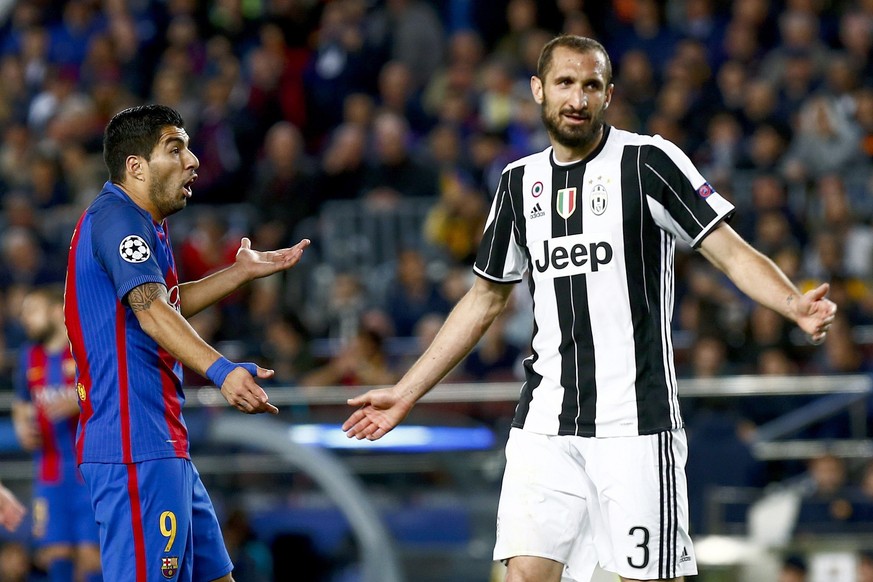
{"x": 135, "y": 131}
{"x": 580, "y": 44}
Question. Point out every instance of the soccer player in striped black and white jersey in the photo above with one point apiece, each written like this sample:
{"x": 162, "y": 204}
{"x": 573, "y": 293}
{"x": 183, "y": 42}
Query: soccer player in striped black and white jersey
{"x": 596, "y": 457}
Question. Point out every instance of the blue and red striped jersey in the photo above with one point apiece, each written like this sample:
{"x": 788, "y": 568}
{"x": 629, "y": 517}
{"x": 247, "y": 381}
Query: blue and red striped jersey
{"x": 130, "y": 388}
{"x": 42, "y": 378}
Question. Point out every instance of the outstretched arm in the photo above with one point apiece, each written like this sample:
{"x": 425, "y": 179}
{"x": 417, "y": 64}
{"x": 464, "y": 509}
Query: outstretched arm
{"x": 382, "y": 409}
{"x": 160, "y": 320}
{"x": 249, "y": 265}
{"x": 759, "y": 278}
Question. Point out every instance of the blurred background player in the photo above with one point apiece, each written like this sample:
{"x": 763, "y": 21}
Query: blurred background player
{"x": 45, "y": 414}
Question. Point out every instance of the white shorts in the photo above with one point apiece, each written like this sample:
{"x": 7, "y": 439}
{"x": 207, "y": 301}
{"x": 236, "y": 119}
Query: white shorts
{"x": 619, "y": 501}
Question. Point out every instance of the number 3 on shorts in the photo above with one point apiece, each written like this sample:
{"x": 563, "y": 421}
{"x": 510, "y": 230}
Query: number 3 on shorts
{"x": 168, "y": 528}
{"x": 643, "y": 545}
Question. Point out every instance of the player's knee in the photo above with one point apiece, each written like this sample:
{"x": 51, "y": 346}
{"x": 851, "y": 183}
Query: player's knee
{"x": 533, "y": 569}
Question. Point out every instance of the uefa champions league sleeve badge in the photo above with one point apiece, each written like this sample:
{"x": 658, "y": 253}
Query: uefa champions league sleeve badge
{"x": 134, "y": 249}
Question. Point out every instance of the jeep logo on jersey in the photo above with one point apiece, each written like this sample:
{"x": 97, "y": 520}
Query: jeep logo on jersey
{"x": 598, "y": 200}
{"x": 566, "y": 203}
{"x": 134, "y": 249}
{"x": 576, "y": 254}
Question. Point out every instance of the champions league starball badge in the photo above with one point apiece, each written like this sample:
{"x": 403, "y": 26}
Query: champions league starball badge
{"x": 134, "y": 249}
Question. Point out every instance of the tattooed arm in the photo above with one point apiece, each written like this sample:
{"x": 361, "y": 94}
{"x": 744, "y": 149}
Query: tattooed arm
{"x": 160, "y": 320}
{"x": 150, "y": 303}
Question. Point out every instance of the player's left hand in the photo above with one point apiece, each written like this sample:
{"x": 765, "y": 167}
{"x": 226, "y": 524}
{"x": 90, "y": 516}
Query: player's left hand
{"x": 815, "y": 313}
{"x": 243, "y": 393}
{"x": 262, "y": 263}
{"x": 11, "y": 510}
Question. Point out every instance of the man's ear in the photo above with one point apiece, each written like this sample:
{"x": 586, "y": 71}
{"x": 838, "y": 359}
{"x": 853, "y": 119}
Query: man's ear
{"x": 135, "y": 167}
{"x": 536, "y": 88}
{"x": 609, "y": 91}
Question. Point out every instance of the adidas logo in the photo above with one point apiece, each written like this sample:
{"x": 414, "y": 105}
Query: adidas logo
{"x": 536, "y": 211}
{"x": 684, "y": 557}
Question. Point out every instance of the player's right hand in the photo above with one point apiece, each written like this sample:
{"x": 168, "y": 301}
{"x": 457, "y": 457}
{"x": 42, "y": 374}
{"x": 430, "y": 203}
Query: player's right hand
{"x": 27, "y": 428}
{"x": 379, "y": 411}
{"x": 243, "y": 393}
{"x": 30, "y": 437}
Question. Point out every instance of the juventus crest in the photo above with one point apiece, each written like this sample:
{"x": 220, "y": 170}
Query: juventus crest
{"x": 598, "y": 199}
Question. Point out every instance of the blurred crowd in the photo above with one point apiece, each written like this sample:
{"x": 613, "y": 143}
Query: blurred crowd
{"x": 300, "y": 109}
{"x": 295, "y": 106}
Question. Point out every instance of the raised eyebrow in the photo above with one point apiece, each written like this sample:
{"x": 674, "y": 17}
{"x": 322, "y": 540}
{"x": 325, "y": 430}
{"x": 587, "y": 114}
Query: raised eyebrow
{"x": 173, "y": 139}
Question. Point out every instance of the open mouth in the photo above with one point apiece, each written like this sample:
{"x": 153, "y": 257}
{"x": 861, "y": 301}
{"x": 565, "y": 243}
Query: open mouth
{"x": 187, "y": 186}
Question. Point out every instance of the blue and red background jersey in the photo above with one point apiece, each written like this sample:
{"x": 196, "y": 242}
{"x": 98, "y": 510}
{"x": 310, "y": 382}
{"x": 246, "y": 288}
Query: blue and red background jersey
{"x": 42, "y": 378}
{"x": 130, "y": 389}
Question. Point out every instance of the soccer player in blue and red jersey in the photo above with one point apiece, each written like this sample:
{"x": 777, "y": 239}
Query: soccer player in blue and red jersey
{"x": 126, "y": 318}
{"x": 45, "y": 413}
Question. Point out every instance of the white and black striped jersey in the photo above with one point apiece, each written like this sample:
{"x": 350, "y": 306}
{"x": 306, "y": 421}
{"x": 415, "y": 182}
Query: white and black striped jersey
{"x": 598, "y": 237}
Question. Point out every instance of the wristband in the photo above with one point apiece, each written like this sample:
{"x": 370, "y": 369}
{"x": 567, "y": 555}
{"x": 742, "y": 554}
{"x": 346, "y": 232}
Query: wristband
{"x": 220, "y": 368}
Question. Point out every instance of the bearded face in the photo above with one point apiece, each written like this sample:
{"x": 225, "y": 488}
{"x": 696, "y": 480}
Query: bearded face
{"x": 572, "y": 128}
{"x": 573, "y": 94}
{"x": 164, "y": 194}
{"x": 172, "y": 170}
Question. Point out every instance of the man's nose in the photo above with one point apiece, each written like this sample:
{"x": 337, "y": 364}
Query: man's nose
{"x": 579, "y": 99}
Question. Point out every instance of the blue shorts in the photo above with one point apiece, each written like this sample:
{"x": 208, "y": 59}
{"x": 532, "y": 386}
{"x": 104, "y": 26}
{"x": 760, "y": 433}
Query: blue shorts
{"x": 156, "y": 522}
{"x": 62, "y": 515}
